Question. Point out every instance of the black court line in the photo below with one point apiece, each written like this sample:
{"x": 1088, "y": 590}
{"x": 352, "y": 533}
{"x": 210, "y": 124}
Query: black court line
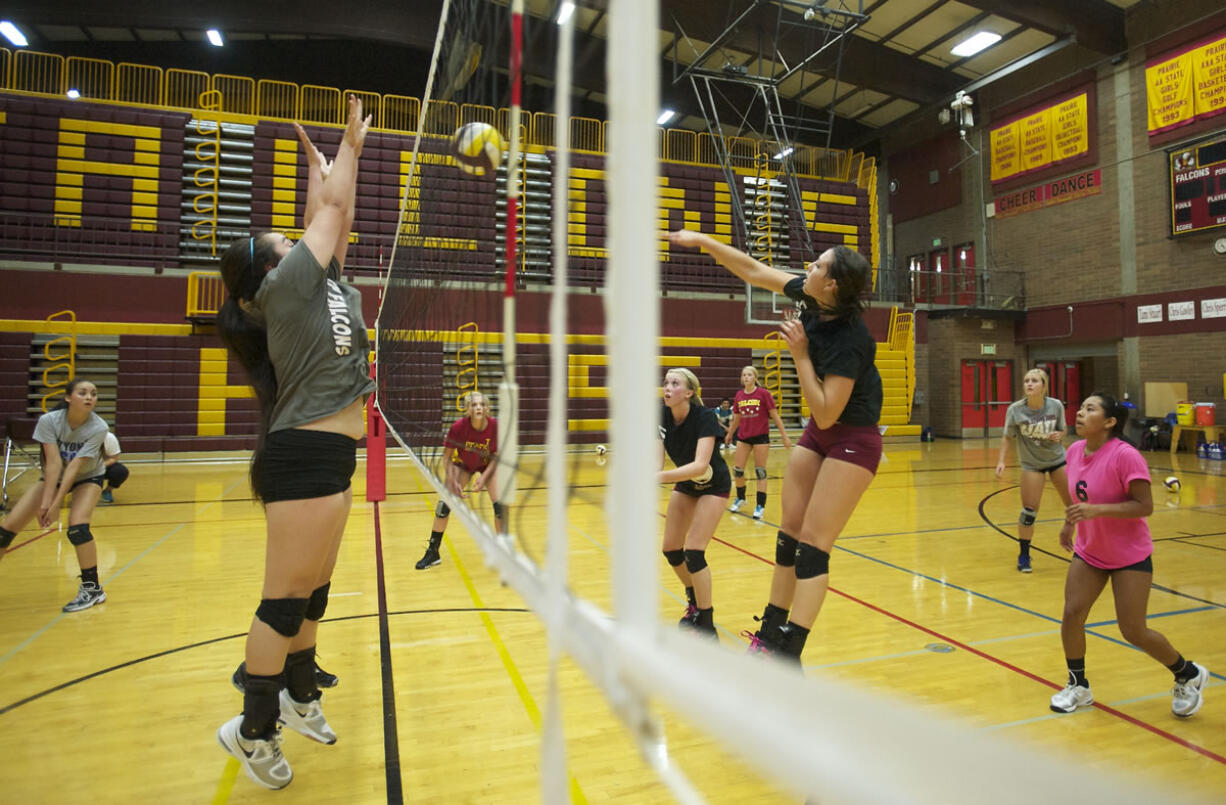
{"x": 391, "y": 739}
{"x": 1185, "y": 541}
{"x": 1067, "y": 560}
{"x": 85, "y": 678}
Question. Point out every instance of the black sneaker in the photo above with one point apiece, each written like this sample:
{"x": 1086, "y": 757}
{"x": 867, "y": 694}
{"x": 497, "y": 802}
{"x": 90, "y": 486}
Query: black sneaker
{"x": 430, "y": 559}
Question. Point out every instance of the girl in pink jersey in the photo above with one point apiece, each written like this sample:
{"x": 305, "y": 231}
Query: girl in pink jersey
{"x": 470, "y": 452}
{"x": 753, "y": 409}
{"x": 1110, "y": 481}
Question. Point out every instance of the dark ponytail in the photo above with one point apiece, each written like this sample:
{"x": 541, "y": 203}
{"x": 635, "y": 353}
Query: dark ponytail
{"x": 851, "y": 271}
{"x": 1114, "y": 408}
{"x": 245, "y": 335}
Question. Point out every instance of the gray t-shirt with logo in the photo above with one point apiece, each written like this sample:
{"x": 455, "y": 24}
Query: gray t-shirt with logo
{"x": 316, "y": 339}
{"x": 1032, "y": 427}
{"x": 83, "y": 442}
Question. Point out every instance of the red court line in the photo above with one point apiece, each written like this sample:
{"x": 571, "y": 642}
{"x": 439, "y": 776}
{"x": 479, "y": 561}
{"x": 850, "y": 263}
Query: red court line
{"x": 984, "y": 655}
{"x": 27, "y": 542}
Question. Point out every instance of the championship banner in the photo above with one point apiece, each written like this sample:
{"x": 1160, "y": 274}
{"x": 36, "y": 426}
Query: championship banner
{"x": 1187, "y": 86}
{"x": 1006, "y": 150}
{"x": 1070, "y": 134}
{"x": 1036, "y": 140}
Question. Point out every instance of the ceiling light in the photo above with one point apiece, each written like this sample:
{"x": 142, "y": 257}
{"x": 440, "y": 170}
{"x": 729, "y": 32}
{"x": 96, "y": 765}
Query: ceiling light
{"x": 565, "y": 11}
{"x": 665, "y": 116}
{"x": 13, "y": 34}
{"x": 214, "y": 36}
{"x": 74, "y": 93}
{"x": 783, "y": 153}
{"x": 976, "y": 43}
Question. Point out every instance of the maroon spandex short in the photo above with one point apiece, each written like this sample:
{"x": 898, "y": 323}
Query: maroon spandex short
{"x": 855, "y": 444}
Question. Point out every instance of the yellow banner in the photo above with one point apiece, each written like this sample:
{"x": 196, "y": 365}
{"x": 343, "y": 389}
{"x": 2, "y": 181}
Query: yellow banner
{"x": 1036, "y": 140}
{"x": 1209, "y": 69}
{"x": 1006, "y": 151}
{"x": 1169, "y": 92}
{"x": 1070, "y": 129}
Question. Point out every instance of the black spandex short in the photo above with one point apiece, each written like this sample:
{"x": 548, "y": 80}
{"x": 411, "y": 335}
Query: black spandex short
{"x": 303, "y": 464}
{"x": 765, "y": 438}
{"x": 1047, "y": 470}
{"x": 97, "y": 479}
{"x": 1146, "y": 565}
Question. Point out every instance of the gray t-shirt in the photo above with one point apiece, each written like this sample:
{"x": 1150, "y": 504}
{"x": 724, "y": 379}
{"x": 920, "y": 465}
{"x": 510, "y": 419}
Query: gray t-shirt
{"x": 316, "y": 339}
{"x": 84, "y": 442}
{"x": 1032, "y": 428}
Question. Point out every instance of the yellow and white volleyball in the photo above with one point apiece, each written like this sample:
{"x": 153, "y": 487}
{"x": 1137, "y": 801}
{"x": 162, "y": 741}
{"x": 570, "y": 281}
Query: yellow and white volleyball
{"x": 477, "y": 148}
{"x": 705, "y": 478}
{"x": 601, "y": 449}
{"x": 1171, "y": 483}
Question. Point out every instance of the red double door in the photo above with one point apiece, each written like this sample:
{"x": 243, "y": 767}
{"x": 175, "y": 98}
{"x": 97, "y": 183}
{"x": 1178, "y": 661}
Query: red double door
{"x": 987, "y": 392}
{"x": 1064, "y": 380}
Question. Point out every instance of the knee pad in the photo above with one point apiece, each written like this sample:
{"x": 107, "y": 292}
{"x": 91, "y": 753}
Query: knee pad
{"x": 317, "y": 604}
{"x": 739, "y": 472}
{"x": 498, "y": 510}
{"x": 1027, "y": 516}
{"x": 79, "y": 534}
{"x": 283, "y": 615}
{"x": 811, "y": 561}
{"x": 695, "y": 560}
{"x": 675, "y": 558}
{"x": 785, "y": 550}
{"x": 442, "y": 510}
{"x": 6, "y": 537}
{"x": 760, "y": 473}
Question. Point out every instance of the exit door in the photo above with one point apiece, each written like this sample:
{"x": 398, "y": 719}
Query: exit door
{"x": 987, "y": 393}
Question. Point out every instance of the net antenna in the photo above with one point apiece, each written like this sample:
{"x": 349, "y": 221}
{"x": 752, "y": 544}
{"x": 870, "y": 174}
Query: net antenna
{"x": 744, "y": 78}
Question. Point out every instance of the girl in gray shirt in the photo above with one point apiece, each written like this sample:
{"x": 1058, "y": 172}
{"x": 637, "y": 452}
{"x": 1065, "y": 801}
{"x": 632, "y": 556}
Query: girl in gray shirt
{"x": 1036, "y": 423}
{"x": 71, "y": 436}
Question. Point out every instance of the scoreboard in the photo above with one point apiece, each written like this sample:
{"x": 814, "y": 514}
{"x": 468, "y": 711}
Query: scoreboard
{"x": 1198, "y": 186}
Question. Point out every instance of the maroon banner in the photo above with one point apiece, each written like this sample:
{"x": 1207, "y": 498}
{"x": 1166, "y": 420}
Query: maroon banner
{"x": 1057, "y": 191}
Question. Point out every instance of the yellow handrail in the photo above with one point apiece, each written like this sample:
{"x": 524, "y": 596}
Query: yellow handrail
{"x": 205, "y": 294}
{"x": 467, "y": 366}
{"x": 67, "y": 360}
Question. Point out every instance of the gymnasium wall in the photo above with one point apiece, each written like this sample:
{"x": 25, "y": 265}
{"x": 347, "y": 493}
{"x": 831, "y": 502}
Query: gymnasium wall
{"x": 1105, "y": 253}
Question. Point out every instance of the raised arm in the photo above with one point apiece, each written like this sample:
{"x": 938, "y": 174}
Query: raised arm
{"x": 328, "y": 233}
{"x": 735, "y": 260}
{"x": 318, "y": 168}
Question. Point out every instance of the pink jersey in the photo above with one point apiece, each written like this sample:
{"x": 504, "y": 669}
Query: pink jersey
{"x": 1108, "y": 542}
{"x": 754, "y": 410}
{"x": 473, "y": 448}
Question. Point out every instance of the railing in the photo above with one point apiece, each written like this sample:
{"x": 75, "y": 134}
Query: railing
{"x": 901, "y": 337}
{"x": 65, "y": 361}
{"x": 969, "y": 287}
{"x": 205, "y": 294}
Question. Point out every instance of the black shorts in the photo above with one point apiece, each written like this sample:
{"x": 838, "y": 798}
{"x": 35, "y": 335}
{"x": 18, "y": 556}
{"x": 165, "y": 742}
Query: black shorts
{"x": 1047, "y": 470}
{"x": 1146, "y": 565}
{"x": 302, "y": 464}
{"x": 765, "y": 438}
{"x": 97, "y": 479}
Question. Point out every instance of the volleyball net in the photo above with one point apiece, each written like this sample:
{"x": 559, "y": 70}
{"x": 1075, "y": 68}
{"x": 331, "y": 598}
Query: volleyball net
{"x": 445, "y": 328}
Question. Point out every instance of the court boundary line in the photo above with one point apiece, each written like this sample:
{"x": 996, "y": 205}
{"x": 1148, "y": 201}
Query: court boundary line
{"x": 391, "y": 736}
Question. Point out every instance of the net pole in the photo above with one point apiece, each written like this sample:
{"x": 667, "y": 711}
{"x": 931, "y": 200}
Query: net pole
{"x": 508, "y": 389}
{"x": 553, "y": 738}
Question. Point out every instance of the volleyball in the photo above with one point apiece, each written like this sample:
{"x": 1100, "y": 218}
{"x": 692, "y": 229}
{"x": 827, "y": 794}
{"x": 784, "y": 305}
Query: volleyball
{"x": 1171, "y": 483}
{"x": 477, "y": 148}
{"x": 705, "y": 478}
{"x": 601, "y": 449}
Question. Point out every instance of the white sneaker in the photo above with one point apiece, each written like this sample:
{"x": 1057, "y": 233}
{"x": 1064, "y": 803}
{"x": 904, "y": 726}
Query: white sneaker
{"x": 736, "y": 505}
{"x": 87, "y": 595}
{"x": 758, "y": 511}
{"x": 305, "y": 717}
{"x": 262, "y": 760}
{"x": 1187, "y": 697}
{"x": 1072, "y": 697}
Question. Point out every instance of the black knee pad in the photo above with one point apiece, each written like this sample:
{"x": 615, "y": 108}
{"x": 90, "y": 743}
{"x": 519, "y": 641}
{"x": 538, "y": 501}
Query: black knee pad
{"x": 785, "y": 550}
{"x": 675, "y": 558}
{"x": 6, "y": 537}
{"x": 811, "y": 561}
{"x": 498, "y": 510}
{"x": 79, "y": 534}
{"x": 760, "y": 472}
{"x": 317, "y": 604}
{"x": 695, "y": 560}
{"x": 1027, "y": 516}
{"x": 283, "y": 615}
{"x": 442, "y": 510}
{"x": 739, "y": 472}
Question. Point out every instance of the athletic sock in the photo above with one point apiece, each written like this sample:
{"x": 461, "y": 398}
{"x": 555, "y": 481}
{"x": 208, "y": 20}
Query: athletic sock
{"x": 761, "y": 498}
{"x": 260, "y": 707}
{"x": 689, "y": 596}
{"x": 299, "y": 675}
{"x": 6, "y": 537}
{"x": 1183, "y": 669}
{"x": 794, "y": 637}
{"x": 1077, "y": 672}
{"x": 89, "y": 575}
{"x": 740, "y": 493}
{"x": 436, "y": 539}
{"x": 1024, "y": 545}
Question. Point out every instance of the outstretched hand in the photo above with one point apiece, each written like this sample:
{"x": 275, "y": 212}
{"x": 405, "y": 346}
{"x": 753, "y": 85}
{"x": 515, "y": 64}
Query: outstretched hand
{"x": 355, "y": 130}
{"x": 313, "y": 153}
{"x": 687, "y": 238}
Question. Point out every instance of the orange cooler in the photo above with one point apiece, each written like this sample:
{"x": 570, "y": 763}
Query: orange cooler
{"x": 1204, "y": 414}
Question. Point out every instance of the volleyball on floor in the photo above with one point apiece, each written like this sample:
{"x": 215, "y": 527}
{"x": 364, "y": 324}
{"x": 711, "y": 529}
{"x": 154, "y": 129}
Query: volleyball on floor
{"x": 601, "y": 449}
{"x": 1171, "y": 483}
{"x": 477, "y": 148}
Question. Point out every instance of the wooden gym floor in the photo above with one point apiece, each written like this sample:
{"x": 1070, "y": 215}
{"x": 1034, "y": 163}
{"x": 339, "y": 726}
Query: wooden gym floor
{"x": 120, "y": 703}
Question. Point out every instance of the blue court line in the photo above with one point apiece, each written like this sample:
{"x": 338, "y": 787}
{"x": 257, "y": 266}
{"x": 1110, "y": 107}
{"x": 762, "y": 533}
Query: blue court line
{"x": 1154, "y": 615}
{"x": 16, "y": 649}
